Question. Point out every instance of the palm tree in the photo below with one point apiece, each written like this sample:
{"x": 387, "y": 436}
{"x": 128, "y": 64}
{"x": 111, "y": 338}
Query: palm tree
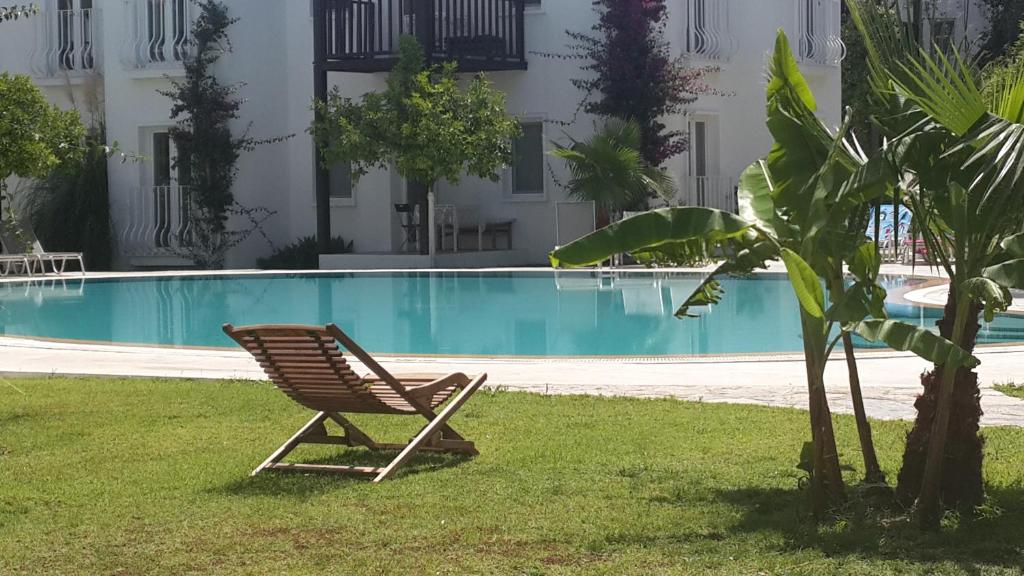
{"x": 609, "y": 170}
{"x": 960, "y": 151}
{"x": 804, "y": 204}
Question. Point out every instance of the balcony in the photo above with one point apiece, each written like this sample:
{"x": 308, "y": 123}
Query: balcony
{"x": 821, "y": 41}
{"x": 157, "y": 221}
{"x": 363, "y": 35}
{"x": 65, "y": 44}
{"x": 706, "y": 33}
{"x": 157, "y": 34}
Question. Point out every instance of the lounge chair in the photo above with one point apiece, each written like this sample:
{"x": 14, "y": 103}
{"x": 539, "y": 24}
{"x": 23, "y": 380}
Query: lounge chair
{"x": 28, "y": 247}
{"x": 307, "y": 364}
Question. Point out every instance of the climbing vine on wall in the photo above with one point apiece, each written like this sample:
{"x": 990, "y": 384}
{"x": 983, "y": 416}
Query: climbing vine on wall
{"x": 208, "y": 150}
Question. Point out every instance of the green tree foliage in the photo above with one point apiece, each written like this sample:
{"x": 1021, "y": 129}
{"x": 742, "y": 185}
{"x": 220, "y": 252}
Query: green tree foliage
{"x": 70, "y": 208}
{"x": 34, "y": 135}
{"x": 424, "y": 124}
{"x": 609, "y": 169}
{"x": 16, "y": 11}
{"x": 806, "y": 205}
{"x": 1006, "y": 18}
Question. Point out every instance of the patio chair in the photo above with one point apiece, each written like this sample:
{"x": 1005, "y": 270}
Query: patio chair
{"x": 28, "y": 245}
{"x": 307, "y": 364}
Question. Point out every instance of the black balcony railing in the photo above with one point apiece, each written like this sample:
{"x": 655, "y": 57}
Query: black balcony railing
{"x": 363, "y": 35}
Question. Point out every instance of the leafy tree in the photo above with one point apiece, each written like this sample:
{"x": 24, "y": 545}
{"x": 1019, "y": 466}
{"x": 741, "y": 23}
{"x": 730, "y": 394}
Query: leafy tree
{"x": 34, "y": 135}
{"x": 632, "y": 75}
{"x": 207, "y": 149}
{"x": 16, "y": 11}
{"x": 424, "y": 124}
{"x": 70, "y": 208}
{"x": 609, "y": 170}
{"x": 960, "y": 153}
{"x": 804, "y": 204}
{"x": 1006, "y": 18}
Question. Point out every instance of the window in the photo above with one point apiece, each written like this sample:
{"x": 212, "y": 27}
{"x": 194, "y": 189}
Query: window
{"x": 809, "y": 29}
{"x": 167, "y": 25}
{"x": 74, "y": 35}
{"x": 171, "y": 202}
{"x": 699, "y": 161}
{"x": 528, "y": 160}
{"x": 341, "y": 181}
{"x": 942, "y": 35}
{"x": 697, "y": 32}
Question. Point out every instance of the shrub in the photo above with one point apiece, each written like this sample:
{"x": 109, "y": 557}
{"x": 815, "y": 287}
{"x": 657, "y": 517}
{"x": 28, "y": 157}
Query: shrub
{"x": 301, "y": 254}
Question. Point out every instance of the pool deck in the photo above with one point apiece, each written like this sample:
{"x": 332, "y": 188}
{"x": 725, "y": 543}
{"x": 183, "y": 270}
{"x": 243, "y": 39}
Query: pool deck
{"x": 890, "y": 380}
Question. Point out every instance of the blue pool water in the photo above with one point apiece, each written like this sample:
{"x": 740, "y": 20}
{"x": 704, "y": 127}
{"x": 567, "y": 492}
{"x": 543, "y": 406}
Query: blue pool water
{"x": 501, "y": 314}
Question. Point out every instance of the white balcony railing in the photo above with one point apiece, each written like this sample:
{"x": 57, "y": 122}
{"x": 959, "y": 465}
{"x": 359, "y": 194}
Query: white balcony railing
{"x": 706, "y": 31}
{"x": 716, "y": 192}
{"x": 157, "y": 33}
{"x": 66, "y": 43}
{"x": 820, "y": 32}
{"x": 158, "y": 221}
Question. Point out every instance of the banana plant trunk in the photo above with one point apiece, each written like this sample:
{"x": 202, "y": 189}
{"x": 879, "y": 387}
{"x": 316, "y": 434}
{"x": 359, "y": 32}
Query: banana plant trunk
{"x": 827, "y": 489}
{"x": 872, "y": 471}
{"x": 961, "y": 483}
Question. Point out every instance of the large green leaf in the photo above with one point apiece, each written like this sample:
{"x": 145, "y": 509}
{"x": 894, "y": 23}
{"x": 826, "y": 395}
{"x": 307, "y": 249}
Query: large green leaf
{"x": 866, "y": 262}
{"x": 785, "y": 76}
{"x": 805, "y": 283}
{"x": 1008, "y": 274}
{"x": 755, "y": 202}
{"x": 993, "y": 297}
{"x": 649, "y": 230}
{"x": 1014, "y": 245}
{"x": 746, "y": 260}
{"x": 906, "y": 337}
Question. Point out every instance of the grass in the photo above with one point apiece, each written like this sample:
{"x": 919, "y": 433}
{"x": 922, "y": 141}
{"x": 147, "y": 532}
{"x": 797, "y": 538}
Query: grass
{"x": 151, "y": 477}
{"x": 1011, "y": 389}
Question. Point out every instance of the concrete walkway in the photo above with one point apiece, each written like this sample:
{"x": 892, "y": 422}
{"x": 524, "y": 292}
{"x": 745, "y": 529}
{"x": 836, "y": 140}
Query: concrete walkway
{"x": 890, "y": 379}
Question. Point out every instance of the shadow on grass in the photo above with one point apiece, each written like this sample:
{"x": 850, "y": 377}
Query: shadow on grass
{"x": 294, "y": 483}
{"x": 877, "y": 528}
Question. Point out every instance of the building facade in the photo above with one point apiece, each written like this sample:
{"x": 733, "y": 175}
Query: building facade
{"x": 111, "y": 59}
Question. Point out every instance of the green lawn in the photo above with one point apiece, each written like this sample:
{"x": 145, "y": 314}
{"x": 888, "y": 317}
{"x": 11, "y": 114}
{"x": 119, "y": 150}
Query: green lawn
{"x": 1011, "y": 389}
{"x": 151, "y": 477}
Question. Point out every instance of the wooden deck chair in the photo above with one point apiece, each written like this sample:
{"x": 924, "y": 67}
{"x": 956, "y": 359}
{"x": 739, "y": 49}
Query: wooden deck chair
{"x": 308, "y": 364}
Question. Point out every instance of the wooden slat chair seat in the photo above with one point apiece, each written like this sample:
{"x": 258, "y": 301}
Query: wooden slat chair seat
{"x": 308, "y": 363}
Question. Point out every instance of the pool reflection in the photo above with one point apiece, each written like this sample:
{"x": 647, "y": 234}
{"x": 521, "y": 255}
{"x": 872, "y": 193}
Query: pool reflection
{"x": 576, "y": 313}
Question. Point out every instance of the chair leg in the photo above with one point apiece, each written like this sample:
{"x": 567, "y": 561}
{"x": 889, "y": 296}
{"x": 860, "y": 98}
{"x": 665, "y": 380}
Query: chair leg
{"x": 435, "y": 426}
{"x": 353, "y": 434}
{"x": 292, "y": 442}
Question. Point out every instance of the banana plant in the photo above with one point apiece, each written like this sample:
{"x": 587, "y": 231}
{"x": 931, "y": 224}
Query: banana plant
{"x": 799, "y": 205}
{"x": 959, "y": 149}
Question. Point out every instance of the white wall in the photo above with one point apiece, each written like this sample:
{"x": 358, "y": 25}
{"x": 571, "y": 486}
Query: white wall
{"x": 273, "y": 44}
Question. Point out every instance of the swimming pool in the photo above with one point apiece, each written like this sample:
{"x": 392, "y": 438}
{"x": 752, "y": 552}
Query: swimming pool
{"x": 439, "y": 313}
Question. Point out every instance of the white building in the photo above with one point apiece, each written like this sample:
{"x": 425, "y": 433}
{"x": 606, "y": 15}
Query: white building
{"x": 120, "y": 53}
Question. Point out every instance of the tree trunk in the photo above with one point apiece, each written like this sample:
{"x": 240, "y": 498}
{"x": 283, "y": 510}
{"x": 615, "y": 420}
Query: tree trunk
{"x": 417, "y": 196}
{"x": 827, "y": 489}
{"x": 961, "y": 484}
{"x": 872, "y": 471}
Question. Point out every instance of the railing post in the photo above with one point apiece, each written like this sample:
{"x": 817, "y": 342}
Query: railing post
{"x": 321, "y": 175}
{"x": 521, "y": 29}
